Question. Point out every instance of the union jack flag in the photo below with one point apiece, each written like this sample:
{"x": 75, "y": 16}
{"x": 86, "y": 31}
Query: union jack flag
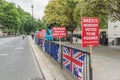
{"x": 36, "y": 40}
{"x": 67, "y": 52}
{"x": 42, "y": 43}
{"x": 74, "y": 61}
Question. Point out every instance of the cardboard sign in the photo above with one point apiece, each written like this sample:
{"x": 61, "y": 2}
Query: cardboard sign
{"x": 90, "y": 31}
{"x": 59, "y": 32}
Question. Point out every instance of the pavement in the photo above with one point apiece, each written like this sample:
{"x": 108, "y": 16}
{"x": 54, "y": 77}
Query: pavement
{"x": 50, "y": 69}
{"x": 105, "y": 63}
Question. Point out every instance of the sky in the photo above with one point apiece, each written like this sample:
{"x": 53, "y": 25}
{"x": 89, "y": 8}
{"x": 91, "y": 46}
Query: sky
{"x": 38, "y": 9}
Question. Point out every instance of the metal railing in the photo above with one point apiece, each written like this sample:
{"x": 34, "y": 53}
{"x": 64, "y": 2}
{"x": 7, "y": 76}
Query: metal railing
{"x": 76, "y": 62}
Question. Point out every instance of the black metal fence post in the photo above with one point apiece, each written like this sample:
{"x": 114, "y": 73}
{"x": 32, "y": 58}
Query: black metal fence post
{"x": 61, "y": 57}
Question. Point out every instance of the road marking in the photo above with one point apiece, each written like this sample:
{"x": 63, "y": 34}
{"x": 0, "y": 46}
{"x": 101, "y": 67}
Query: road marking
{"x": 3, "y": 54}
{"x": 36, "y": 78}
{"x": 1, "y": 44}
{"x": 9, "y": 46}
{"x": 19, "y": 48}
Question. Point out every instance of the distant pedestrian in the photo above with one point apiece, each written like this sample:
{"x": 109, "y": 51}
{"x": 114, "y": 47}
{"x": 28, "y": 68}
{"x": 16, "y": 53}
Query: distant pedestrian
{"x": 32, "y": 36}
{"x": 106, "y": 40}
{"x": 101, "y": 40}
{"x": 76, "y": 40}
{"x": 23, "y": 37}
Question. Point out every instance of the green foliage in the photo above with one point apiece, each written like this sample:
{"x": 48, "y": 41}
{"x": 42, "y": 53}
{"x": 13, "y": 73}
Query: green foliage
{"x": 92, "y": 8}
{"x": 114, "y": 10}
{"x": 15, "y": 19}
{"x": 69, "y": 12}
{"x": 61, "y": 12}
{"x": 39, "y": 25}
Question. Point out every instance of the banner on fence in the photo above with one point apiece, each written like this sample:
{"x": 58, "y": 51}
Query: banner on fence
{"x": 78, "y": 63}
{"x": 36, "y": 40}
{"x": 48, "y": 47}
{"x": 73, "y": 60}
{"x": 67, "y": 57}
{"x": 90, "y": 31}
{"x": 42, "y": 43}
{"x": 55, "y": 51}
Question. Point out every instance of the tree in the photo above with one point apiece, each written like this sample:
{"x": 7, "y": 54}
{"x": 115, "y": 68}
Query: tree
{"x": 15, "y": 19}
{"x": 61, "y": 12}
{"x": 39, "y": 25}
{"x": 92, "y": 8}
{"x": 9, "y": 16}
{"x": 114, "y": 9}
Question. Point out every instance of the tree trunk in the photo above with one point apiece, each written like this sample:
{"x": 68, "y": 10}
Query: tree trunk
{"x": 71, "y": 37}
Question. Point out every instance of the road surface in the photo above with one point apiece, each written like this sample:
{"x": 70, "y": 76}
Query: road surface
{"x": 16, "y": 60}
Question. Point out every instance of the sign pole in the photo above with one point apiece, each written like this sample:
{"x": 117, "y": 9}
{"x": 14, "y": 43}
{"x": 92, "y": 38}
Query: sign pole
{"x": 60, "y": 51}
{"x": 59, "y": 32}
{"x": 90, "y": 36}
{"x": 90, "y": 62}
{"x": 91, "y": 52}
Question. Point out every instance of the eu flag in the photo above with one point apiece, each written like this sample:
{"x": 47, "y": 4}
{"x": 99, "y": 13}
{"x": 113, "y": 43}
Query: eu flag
{"x": 55, "y": 51}
{"x": 48, "y": 47}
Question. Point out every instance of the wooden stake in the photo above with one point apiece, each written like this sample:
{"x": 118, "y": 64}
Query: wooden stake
{"x": 91, "y": 62}
{"x": 60, "y": 51}
{"x": 91, "y": 52}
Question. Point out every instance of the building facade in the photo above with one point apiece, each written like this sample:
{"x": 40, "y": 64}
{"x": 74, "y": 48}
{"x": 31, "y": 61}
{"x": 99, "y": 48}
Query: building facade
{"x": 114, "y": 33}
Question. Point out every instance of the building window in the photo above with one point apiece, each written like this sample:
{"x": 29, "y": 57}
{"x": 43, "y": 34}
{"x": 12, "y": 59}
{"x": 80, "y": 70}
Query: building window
{"x": 115, "y": 30}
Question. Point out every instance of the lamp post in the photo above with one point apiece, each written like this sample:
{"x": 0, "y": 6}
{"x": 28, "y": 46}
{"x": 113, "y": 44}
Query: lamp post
{"x": 32, "y": 14}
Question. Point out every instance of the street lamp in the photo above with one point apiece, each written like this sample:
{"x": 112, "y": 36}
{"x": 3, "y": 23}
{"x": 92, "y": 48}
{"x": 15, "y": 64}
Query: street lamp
{"x": 32, "y": 14}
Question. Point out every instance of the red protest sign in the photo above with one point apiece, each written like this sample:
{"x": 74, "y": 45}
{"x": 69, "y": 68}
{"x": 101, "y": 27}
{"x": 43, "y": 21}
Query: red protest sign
{"x": 59, "y": 32}
{"x": 43, "y": 33}
{"x": 39, "y": 34}
{"x": 90, "y": 31}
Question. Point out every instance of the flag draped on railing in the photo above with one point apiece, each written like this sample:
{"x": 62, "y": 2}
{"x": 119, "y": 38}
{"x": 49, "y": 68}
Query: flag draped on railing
{"x": 73, "y": 60}
{"x": 42, "y": 43}
{"x": 48, "y": 47}
{"x": 55, "y": 51}
{"x": 36, "y": 40}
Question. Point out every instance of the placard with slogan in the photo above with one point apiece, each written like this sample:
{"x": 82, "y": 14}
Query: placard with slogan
{"x": 39, "y": 34}
{"x": 90, "y": 31}
{"x": 43, "y": 33}
{"x": 59, "y": 32}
